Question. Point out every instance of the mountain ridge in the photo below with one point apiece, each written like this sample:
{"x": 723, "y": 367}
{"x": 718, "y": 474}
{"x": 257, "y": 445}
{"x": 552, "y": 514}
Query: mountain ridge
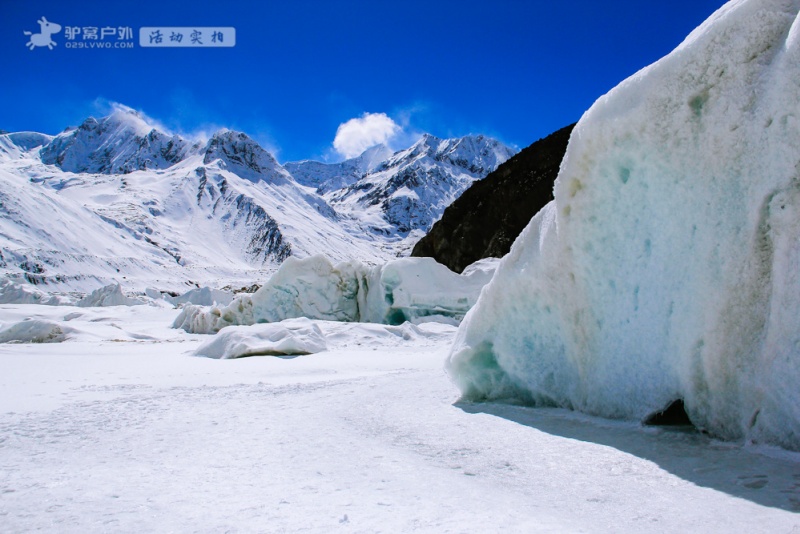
{"x": 136, "y": 204}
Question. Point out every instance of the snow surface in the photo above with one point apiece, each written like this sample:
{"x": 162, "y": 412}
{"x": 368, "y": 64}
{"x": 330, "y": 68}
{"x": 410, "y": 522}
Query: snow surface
{"x": 407, "y": 289}
{"x": 110, "y": 431}
{"x": 667, "y": 266}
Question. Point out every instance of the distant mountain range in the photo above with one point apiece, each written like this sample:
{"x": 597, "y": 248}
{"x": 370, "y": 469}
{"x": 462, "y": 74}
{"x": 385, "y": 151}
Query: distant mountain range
{"x": 118, "y": 199}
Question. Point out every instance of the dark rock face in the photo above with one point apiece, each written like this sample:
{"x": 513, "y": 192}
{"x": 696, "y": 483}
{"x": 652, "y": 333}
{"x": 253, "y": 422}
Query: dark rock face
{"x": 485, "y": 220}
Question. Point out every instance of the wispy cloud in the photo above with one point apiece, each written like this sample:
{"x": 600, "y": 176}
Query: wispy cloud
{"x": 104, "y": 107}
{"x": 201, "y": 133}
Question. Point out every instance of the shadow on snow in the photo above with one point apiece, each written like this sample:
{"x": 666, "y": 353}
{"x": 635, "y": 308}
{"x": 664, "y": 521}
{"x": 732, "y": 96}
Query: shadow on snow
{"x": 679, "y": 450}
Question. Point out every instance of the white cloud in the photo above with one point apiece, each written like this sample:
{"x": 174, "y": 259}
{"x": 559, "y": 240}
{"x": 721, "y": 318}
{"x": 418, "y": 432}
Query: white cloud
{"x": 356, "y": 135}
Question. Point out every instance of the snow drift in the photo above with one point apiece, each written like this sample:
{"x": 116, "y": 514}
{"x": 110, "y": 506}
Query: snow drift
{"x": 408, "y": 289}
{"x": 668, "y": 265}
{"x": 291, "y": 337}
{"x": 34, "y": 331}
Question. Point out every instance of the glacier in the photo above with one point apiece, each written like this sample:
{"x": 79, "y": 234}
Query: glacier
{"x": 22, "y": 293}
{"x": 668, "y": 266}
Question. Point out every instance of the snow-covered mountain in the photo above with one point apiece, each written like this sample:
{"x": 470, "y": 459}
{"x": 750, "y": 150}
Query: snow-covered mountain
{"x": 120, "y": 143}
{"x": 327, "y": 177}
{"x": 119, "y": 199}
{"x": 408, "y": 190}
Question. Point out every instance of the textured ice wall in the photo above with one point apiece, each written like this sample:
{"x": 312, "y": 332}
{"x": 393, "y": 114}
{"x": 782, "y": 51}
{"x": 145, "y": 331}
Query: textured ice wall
{"x": 12, "y": 292}
{"x": 311, "y": 287}
{"x": 668, "y": 265}
{"x": 408, "y": 289}
{"x": 419, "y": 289}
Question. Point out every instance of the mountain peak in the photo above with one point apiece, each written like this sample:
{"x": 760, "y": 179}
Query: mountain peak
{"x": 226, "y": 134}
{"x": 121, "y": 142}
{"x": 89, "y": 124}
{"x": 427, "y": 142}
{"x": 476, "y": 154}
{"x": 410, "y": 189}
{"x": 242, "y": 155}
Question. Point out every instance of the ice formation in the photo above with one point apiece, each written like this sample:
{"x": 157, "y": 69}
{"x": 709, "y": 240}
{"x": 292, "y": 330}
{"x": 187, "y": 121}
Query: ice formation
{"x": 12, "y": 292}
{"x": 419, "y": 289}
{"x": 668, "y": 265}
{"x": 34, "y": 331}
{"x": 290, "y": 337}
{"x": 110, "y": 295}
{"x": 202, "y": 296}
{"x": 408, "y": 289}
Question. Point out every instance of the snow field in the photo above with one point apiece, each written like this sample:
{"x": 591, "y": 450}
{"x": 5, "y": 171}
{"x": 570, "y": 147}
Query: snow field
{"x": 111, "y": 433}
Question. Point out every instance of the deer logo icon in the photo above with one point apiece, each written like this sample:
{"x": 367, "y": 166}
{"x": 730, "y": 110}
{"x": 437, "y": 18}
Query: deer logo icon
{"x": 43, "y": 37}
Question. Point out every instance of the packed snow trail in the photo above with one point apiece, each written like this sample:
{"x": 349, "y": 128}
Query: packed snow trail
{"x": 367, "y": 437}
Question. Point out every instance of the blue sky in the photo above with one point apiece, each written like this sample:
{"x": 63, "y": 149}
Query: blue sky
{"x": 515, "y": 70}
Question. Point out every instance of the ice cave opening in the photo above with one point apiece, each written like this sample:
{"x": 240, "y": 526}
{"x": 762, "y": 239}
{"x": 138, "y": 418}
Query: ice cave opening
{"x": 673, "y": 415}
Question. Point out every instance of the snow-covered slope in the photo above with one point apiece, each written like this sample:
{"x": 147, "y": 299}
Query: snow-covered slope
{"x": 16, "y": 145}
{"x": 668, "y": 265}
